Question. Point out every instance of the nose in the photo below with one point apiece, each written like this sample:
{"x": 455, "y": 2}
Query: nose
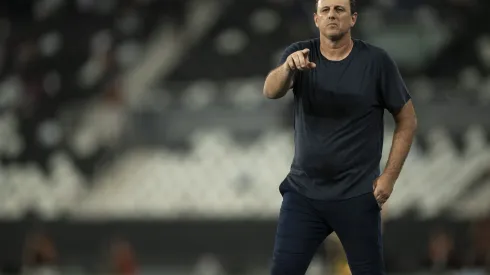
{"x": 331, "y": 14}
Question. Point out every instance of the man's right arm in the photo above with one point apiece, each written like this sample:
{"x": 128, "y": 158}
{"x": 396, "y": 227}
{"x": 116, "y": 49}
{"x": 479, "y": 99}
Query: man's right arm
{"x": 278, "y": 82}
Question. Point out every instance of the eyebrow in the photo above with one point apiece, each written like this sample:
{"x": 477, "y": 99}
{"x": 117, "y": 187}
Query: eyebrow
{"x": 335, "y": 6}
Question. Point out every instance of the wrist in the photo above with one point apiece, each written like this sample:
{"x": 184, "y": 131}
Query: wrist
{"x": 390, "y": 176}
{"x": 287, "y": 69}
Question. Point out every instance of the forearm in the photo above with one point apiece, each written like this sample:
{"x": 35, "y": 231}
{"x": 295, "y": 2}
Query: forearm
{"x": 278, "y": 82}
{"x": 401, "y": 144}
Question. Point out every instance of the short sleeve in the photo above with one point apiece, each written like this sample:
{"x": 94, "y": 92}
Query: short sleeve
{"x": 394, "y": 92}
{"x": 287, "y": 52}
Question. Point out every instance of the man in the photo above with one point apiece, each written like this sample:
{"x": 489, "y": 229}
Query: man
{"x": 341, "y": 87}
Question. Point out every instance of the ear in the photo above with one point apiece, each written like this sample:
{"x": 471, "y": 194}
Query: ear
{"x": 354, "y": 20}
{"x": 315, "y": 17}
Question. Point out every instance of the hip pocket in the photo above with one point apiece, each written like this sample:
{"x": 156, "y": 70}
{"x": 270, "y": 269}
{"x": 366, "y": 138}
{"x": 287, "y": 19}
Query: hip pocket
{"x": 378, "y": 206}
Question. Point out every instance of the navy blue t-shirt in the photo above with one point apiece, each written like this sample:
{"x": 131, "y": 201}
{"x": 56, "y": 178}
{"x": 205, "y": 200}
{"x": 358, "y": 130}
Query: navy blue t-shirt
{"x": 338, "y": 120}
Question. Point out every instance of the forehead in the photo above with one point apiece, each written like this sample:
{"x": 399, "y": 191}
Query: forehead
{"x": 333, "y": 3}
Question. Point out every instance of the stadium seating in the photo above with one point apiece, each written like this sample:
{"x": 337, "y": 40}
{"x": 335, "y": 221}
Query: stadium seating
{"x": 236, "y": 145}
{"x": 60, "y": 55}
{"x": 221, "y": 179}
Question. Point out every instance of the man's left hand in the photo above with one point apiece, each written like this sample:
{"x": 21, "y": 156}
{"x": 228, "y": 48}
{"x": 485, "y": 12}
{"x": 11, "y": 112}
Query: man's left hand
{"x": 383, "y": 186}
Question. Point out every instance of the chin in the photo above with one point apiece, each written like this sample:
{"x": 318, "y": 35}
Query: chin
{"x": 335, "y": 36}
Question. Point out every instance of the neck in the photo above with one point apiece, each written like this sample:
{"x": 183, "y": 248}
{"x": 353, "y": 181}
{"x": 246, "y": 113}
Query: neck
{"x": 336, "y": 50}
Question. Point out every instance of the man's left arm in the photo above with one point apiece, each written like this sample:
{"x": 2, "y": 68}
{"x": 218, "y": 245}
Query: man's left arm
{"x": 405, "y": 127}
{"x": 397, "y": 100}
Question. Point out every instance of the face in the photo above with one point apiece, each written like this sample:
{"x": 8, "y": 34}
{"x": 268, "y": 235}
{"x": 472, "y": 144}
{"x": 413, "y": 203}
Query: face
{"x": 334, "y": 18}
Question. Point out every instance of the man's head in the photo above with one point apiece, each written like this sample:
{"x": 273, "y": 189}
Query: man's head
{"x": 335, "y": 18}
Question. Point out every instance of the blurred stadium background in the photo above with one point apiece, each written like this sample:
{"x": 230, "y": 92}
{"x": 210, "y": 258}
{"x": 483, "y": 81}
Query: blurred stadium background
{"x": 134, "y": 137}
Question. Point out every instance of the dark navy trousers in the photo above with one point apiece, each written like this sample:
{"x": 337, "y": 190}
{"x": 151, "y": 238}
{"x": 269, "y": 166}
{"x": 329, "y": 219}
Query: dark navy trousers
{"x": 305, "y": 223}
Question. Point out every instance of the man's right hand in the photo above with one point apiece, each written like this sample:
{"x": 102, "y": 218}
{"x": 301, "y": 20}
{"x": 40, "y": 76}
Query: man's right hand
{"x": 299, "y": 61}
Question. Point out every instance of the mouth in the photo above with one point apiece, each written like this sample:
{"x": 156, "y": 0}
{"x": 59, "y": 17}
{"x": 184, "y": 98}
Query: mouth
{"x": 332, "y": 24}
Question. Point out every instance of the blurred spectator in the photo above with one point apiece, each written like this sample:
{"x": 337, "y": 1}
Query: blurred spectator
{"x": 40, "y": 255}
{"x": 336, "y": 258}
{"x": 123, "y": 260}
{"x": 482, "y": 244}
{"x": 441, "y": 257}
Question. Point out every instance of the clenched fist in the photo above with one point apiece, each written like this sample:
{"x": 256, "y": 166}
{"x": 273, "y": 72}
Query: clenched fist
{"x": 383, "y": 187}
{"x": 299, "y": 61}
